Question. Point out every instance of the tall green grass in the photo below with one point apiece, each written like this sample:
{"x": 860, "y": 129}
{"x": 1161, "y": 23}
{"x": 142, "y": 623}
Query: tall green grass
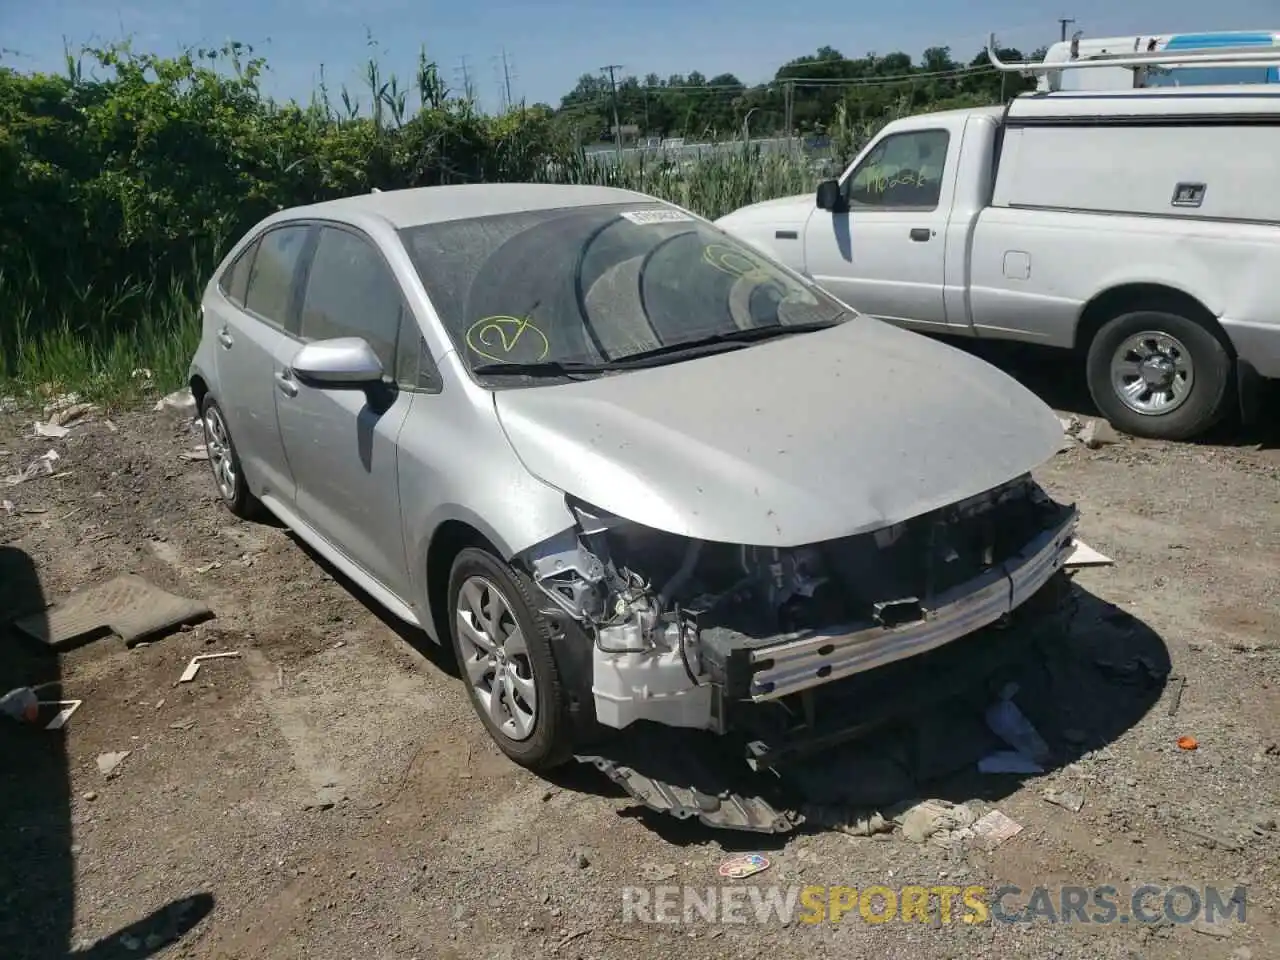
{"x": 143, "y": 340}
{"x": 104, "y": 334}
{"x": 132, "y": 187}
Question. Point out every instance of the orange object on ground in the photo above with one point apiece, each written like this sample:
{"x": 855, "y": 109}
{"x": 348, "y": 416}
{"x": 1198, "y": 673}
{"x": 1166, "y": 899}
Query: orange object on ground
{"x": 1188, "y": 743}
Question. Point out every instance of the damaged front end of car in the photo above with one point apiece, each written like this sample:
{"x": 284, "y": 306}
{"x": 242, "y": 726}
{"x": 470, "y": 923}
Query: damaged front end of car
{"x": 736, "y": 638}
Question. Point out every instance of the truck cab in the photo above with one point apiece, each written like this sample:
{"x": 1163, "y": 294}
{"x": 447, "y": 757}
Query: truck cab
{"x": 1138, "y": 227}
{"x": 879, "y": 238}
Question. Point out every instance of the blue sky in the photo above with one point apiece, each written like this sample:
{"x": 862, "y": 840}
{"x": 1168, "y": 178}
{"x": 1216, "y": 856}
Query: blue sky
{"x": 549, "y": 43}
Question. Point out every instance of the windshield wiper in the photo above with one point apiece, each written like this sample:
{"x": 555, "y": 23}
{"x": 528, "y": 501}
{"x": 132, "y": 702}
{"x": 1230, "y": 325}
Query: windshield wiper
{"x": 730, "y": 338}
{"x": 574, "y": 369}
{"x": 542, "y": 368}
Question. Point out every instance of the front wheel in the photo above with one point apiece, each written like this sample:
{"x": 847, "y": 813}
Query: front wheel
{"x": 503, "y": 647}
{"x": 228, "y": 475}
{"x": 1159, "y": 375}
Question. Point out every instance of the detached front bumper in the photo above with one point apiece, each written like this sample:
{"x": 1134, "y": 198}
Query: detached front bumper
{"x": 703, "y": 670}
{"x": 801, "y": 661}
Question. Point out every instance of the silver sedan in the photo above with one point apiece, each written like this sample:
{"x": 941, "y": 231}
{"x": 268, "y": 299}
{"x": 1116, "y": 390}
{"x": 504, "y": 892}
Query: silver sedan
{"x": 629, "y": 467}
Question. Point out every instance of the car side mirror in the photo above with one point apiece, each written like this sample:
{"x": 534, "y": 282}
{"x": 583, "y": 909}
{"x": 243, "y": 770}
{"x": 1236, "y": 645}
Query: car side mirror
{"x": 829, "y": 196}
{"x": 343, "y": 362}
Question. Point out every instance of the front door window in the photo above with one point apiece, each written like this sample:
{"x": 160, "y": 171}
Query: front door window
{"x": 902, "y": 171}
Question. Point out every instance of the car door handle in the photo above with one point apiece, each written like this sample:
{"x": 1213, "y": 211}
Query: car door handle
{"x": 224, "y": 338}
{"x": 921, "y": 234}
{"x": 286, "y": 385}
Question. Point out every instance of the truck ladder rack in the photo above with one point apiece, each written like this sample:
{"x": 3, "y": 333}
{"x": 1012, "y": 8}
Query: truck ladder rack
{"x": 1157, "y": 58}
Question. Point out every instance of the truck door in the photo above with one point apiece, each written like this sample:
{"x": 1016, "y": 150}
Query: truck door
{"x": 884, "y": 252}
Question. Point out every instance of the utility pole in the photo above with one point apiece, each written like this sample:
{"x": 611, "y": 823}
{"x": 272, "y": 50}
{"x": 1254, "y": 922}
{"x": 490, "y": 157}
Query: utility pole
{"x": 613, "y": 89}
{"x": 1062, "y": 22}
{"x": 468, "y": 91}
{"x": 788, "y": 99}
{"x": 506, "y": 76}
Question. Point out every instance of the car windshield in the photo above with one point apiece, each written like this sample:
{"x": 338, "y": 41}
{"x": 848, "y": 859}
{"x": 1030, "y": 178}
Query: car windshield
{"x": 592, "y": 285}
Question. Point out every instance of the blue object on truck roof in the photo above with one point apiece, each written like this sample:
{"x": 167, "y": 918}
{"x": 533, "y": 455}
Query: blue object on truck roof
{"x": 1212, "y": 41}
{"x": 1203, "y": 41}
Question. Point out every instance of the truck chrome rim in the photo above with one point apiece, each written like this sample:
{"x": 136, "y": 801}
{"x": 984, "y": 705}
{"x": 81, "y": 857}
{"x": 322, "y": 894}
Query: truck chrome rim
{"x": 1151, "y": 373}
{"x": 218, "y": 444}
{"x": 496, "y": 658}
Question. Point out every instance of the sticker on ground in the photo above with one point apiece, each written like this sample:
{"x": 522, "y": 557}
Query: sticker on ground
{"x": 746, "y": 865}
{"x": 658, "y": 215}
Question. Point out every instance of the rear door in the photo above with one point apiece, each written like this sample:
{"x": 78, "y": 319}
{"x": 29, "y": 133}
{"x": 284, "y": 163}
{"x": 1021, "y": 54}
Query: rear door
{"x": 250, "y": 325}
{"x": 341, "y": 444}
{"x": 885, "y": 256}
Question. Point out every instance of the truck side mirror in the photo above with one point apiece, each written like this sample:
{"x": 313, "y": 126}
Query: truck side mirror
{"x": 829, "y": 196}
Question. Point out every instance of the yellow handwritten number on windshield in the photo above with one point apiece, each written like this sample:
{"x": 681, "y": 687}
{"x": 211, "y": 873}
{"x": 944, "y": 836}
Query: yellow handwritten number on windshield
{"x": 733, "y": 262}
{"x": 496, "y": 339}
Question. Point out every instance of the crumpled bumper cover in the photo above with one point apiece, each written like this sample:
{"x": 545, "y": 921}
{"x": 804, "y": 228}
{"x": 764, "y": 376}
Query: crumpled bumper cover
{"x": 816, "y": 657}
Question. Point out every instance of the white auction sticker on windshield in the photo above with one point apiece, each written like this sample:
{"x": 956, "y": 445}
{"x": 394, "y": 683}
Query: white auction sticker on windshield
{"x": 657, "y": 215}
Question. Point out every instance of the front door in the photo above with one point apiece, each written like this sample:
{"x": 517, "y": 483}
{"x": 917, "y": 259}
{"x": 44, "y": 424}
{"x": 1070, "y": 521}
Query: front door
{"x": 884, "y": 256}
{"x": 341, "y": 444}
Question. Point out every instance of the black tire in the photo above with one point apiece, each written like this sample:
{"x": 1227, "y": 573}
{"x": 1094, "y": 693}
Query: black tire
{"x": 551, "y": 742}
{"x": 238, "y": 500}
{"x": 1211, "y": 364}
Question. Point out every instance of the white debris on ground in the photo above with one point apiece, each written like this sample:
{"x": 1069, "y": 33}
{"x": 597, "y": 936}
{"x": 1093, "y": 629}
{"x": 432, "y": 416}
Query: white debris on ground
{"x": 109, "y": 763}
{"x": 1083, "y": 555}
{"x": 1094, "y": 434}
{"x": 180, "y": 404}
{"x": 51, "y": 431}
{"x": 61, "y": 402}
{"x": 69, "y": 415}
{"x": 939, "y": 819}
{"x": 60, "y": 414}
{"x": 994, "y": 829}
{"x": 1098, "y": 433}
{"x": 1007, "y": 722}
{"x": 40, "y": 466}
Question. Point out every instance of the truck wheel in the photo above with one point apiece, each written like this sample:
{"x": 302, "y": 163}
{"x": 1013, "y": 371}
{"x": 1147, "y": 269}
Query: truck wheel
{"x": 1159, "y": 375}
{"x": 503, "y": 647}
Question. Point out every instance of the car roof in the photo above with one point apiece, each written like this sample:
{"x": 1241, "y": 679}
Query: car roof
{"x": 422, "y": 205}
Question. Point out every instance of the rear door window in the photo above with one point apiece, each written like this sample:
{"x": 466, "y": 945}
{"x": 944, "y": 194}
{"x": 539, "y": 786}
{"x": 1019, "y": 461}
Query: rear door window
{"x": 235, "y": 280}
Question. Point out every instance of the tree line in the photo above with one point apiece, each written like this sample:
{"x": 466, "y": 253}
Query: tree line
{"x": 807, "y": 90}
{"x": 127, "y": 174}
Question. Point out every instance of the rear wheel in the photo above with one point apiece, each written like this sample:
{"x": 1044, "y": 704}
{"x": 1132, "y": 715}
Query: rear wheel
{"x": 503, "y": 647}
{"x": 1158, "y": 374}
{"x": 228, "y": 477}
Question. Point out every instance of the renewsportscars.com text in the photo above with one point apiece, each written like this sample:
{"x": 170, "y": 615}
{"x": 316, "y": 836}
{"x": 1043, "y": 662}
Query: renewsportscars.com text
{"x": 1104, "y": 904}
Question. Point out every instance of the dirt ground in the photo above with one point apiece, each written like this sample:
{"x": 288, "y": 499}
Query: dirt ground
{"x": 329, "y": 794}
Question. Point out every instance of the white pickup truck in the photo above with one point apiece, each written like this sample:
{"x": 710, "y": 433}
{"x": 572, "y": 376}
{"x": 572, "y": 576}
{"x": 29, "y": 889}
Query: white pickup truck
{"x": 1140, "y": 227}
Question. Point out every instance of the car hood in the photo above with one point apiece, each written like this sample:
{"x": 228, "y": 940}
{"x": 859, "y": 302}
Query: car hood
{"x": 787, "y": 442}
{"x": 784, "y": 210}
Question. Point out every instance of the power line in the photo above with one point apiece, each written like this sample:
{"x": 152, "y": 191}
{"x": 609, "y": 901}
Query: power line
{"x": 957, "y": 73}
